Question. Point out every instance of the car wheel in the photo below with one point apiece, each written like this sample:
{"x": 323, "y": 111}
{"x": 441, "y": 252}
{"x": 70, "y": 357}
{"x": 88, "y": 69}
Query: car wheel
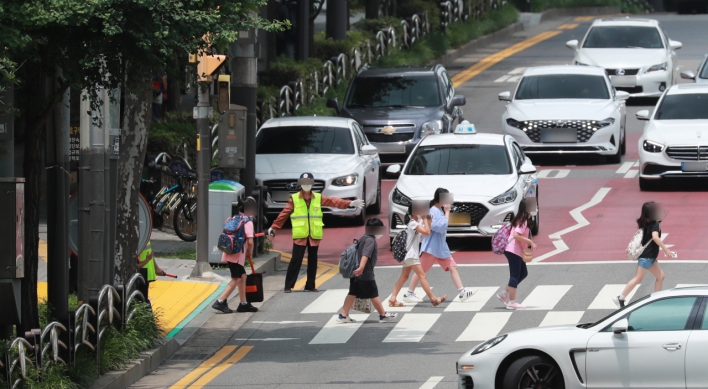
{"x": 375, "y": 208}
{"x": 646, "y": 185}
{"x": 623, "y": 146}
{"x": 533, "y": 372}
{"x": 537, "y": 219}
{"x": 361, "y": 219}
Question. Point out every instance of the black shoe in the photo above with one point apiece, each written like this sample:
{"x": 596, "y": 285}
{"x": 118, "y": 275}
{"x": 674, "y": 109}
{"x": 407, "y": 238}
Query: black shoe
{"x": 618, "y": 302}
{"x": 246, "y": 308}
{"x": 222, "y": 306}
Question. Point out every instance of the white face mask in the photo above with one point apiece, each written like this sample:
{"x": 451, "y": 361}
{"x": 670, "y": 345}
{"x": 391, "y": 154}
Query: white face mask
{"x": 306, "y": 188}
{"x": 377, "y": 236}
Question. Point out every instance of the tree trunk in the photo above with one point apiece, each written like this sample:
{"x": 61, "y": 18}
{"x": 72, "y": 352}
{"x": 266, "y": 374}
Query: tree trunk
{"x": 137, "y": 117}
{"x": 371, "y": 9}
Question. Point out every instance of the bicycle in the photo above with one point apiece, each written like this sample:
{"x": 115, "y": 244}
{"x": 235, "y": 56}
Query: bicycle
{"x": 177, "y": 201}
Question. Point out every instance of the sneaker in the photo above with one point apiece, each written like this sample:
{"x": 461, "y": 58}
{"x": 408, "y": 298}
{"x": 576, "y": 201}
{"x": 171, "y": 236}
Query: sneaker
{"x": 513, "y": 305}
{"x": 618, "y": 302}
{"x": 467, "y": 293}
{"x": 387, "y": 317}
{"x": 345, "y": 319}
{"x": 246, "y": 308}
{"x": 222, "y": 306}
{"x": 503, "y": 296}
{"x": 412, "y": 298}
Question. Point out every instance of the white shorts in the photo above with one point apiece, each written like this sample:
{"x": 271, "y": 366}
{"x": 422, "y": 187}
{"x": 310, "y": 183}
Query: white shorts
{"x": 410, "y": 262}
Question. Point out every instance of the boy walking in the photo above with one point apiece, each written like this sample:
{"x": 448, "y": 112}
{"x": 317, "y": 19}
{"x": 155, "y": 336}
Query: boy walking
{"x": 363, "y": 284}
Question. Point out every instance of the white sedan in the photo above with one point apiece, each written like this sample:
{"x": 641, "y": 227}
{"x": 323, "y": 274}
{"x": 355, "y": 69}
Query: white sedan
{"x": 566, "y": 109}
{"x": 701, "y": 76}
{"x": 636, "y": 53}
{"x": 658, "y": 341}
{"x": 487, "y": 174}
{"x": 334, "y": 150}
{"x": 675, "y": 140}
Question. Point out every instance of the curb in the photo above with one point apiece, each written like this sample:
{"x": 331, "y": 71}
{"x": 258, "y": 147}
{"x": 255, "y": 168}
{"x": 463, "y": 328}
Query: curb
{"x": 474, "y": 44}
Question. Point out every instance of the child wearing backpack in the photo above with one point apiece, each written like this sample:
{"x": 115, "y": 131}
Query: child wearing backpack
{"x": 418, "y": 218}
{"x": 240, "y": 230}
{"x": 521, "y": 225}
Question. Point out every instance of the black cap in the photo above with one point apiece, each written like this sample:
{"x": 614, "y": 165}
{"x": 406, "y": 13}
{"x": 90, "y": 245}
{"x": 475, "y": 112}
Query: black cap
{"x": 307, "y": 175}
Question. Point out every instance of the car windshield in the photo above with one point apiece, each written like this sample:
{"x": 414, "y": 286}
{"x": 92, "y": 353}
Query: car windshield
{"x": 563, "y": 86}
{"x": 704, "y": 71}
{"x": 613, "y": 313}
{"x": 421, "y": 91}
{"x": 304, "y": 140}
{"x": 467, "y": 159}
{"x": 683, "y": 107}
{"x": 621, "y": 37}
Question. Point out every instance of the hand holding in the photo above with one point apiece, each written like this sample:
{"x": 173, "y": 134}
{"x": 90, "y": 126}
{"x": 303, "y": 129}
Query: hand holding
{"x": 357, "y": 203}
{"x": 358, "y": 272}
{"x": 271, "y": 232}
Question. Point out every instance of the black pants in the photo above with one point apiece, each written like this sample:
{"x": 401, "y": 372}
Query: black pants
{"x": 296, "y": 262}
{"x": 144, "y": 287}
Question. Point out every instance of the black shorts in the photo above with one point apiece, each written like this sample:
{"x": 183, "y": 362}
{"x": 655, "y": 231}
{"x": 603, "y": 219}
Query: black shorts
{"x": 236, "y": 270}
{"x": 363, "y": 289}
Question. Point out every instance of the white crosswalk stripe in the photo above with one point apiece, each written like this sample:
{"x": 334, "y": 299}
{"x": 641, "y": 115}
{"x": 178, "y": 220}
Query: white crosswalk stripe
{"x": 412, "y": 327}
{"x": 603, "y": 300}
{"x": 484, "y": 325}
{"x": 545, "y": 297}
{"x": 334, "y": 332}
{"x": 474, "y": 303}
{"x": 409, "y": 306}
{"x": 561, "y": 318}
{"x": 329, "y": 302}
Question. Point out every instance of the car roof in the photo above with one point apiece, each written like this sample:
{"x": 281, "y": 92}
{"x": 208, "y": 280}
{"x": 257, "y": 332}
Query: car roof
{"x": 397, "y": 71}
{"x": 564, "y": 69}
{"x": 330, "y": 121}
{"x": 682, "y": 89}
{"x": 626, "y": 22}
{"x": 463, "y": 139}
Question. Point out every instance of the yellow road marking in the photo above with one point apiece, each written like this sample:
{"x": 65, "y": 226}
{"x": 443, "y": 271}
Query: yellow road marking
{"x": 213, "y": 373}
{"x": 325, "y": 271}
{"x": 204, "y": 367}
{"x": 584, "y": 18}
{"x": 568, "y": 26}
{"x": 42, "y": 252}
{"x": 486, "y": 63}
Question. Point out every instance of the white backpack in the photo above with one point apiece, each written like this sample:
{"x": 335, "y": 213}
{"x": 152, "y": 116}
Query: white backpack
{"x": 636, "y": 248}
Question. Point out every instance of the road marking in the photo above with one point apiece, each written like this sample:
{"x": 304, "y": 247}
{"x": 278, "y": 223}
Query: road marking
{"x": 561, "y": 173}
{"x": 431, "y": 382}
{"x": 42, "y": 250}
{"x": 518, "y": 71}
{"x": 567, "y": 26}
{"x": 475, "y": 303}
{"x": 559, "y": 318}
{"x": 412, "y": 327}
{"x": 581, "y": 222}
{"x": 484, "y": 325}
{"x": 545, "y": 297}
{"x": 474, "y": 70}
{"x": 409, "y": 306}
{"x": 334, "y": 332}
{"x": 514, "y": 79}
{"x": 583, "y": 18}
{"x": 625, "y": 167}
{"x": 603, "y": 300}
{"x": 665, "y": 235}
{"x": 503, "y": 78}
{"x": 213, "y": 373}
{"x": 262, "y": 340}
{"x": 285, "y": 322}
{"x": 631, "y": 174}
{"x": 204, "y": 367}
{"x": 329, "y": 302}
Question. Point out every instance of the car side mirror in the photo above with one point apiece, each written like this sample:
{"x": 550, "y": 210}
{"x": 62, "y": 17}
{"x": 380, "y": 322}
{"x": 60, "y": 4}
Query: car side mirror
{"x": 675, "y": 45}
{"x": 573, "y": 44}
{"x": 643, "y": 114}
{"x": 369, "y": 150}
{"x": 527, "y": 168}
{"x": 505, "y": 96}
{"x": 394, "y": 169}
{"x": 621, "y": 95}
{"x": 620, "y": 327}
{"x": 688, "y": 75}
{"x": 458, "y": 100}
{"x": 333, "y": 103}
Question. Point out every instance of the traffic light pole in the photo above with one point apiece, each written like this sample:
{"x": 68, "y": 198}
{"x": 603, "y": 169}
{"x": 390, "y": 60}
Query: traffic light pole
{"x": 203, "y": 178}
{"x": 244, "y": 84}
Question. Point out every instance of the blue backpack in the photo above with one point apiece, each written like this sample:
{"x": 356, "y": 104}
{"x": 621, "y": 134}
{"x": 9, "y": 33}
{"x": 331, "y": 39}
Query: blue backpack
{"x": 232, "y": 240}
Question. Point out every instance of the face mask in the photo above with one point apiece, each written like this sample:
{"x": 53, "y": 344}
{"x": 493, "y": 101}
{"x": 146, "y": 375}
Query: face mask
{"x": 306, "y": 188}
{"x": 377, "y": 236}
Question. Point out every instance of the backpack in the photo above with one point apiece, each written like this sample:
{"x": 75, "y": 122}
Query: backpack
{"x": 399, "y": 247}
{"x": 501, "y": 239}
{"x": 636, "y": 248}
{"x": 349, "y": 261}
{"x": 232, "y": 240}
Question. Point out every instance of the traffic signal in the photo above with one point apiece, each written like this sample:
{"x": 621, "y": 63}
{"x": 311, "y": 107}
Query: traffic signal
{"x": 224, "y": 92}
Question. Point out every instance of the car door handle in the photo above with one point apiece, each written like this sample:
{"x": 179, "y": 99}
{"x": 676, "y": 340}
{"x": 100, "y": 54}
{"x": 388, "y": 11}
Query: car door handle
{"x": 672, "y": 346}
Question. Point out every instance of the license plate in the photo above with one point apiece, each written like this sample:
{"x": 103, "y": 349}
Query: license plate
{"x": 390, "y": 148}
{"x": 623, "y": 81}
{"x": 559, "y": 135}
{"x": 459, "y": 219}
{"x": 694, "y": 166}
{"x": 281, "y": 197}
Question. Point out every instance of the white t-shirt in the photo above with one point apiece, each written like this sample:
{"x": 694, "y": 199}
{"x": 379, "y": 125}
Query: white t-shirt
{"x": 416, "y": 237}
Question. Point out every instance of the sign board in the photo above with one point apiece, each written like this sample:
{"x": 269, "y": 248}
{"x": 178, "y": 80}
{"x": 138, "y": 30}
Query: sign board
{"x": 74, "y": 147}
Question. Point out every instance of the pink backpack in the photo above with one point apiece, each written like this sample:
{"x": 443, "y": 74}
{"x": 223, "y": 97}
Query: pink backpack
{"x": 501, "y": 239}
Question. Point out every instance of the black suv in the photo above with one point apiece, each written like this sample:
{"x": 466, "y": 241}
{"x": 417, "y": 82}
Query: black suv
{"x": 398, "y": 106}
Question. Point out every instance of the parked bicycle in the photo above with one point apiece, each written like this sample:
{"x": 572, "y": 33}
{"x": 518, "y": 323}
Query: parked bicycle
{"x": 178, "y": 200}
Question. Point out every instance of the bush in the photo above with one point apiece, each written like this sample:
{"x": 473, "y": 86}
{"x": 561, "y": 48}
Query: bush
{"x": 406, "y": 9}
{"x": 326, "y": 48}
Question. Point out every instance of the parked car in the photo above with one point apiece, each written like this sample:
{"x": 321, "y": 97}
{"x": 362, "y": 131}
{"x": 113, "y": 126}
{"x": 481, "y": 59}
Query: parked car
{"x": 334, "y": 150}
{"x": 636, "y": 53}
{"x": 398, "y": 106}
{"x": 566, "y": 109}
{"x": 701, "y": 76}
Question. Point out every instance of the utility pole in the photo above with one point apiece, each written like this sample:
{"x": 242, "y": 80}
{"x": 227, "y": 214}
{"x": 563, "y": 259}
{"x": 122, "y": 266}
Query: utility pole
{"x": 337, "y": 19}
{"x": 111, "y": 125}
{"x": 201, "y": 113}
{"x": 303, "y": 30}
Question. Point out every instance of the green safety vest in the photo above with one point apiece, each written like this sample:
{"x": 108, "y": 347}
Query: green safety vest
{"x": 307, "y": 221}
{"x": 150, "y": 266}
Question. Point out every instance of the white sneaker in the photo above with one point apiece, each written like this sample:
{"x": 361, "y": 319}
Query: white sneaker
{"x": 513, "y": 305}
{"x": 412, "y": 298}
{"x": 345, "y": 319}
{"x": 388, "y": 316}
{"x": 467, "y": 293}
{"x": 503, "y": 296}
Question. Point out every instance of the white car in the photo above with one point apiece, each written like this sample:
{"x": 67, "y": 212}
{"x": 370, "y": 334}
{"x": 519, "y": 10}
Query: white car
{"x": 636, "y": 53}
{"x": 333, "y": 149}
{"x": 701, "y": 76}
{"x": 658, "y": 341}
{"x": 675, "y": 140}
{"x": 566, "y": 109}
{"x": 487, "y": 174}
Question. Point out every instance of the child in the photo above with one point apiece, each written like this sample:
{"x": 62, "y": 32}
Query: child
{"x": 521, "y": 224}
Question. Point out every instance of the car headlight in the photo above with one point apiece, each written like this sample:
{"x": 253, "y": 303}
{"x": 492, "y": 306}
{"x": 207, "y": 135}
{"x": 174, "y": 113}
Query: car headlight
{"x": 507, "y": 197}
{"x": 488, "y": 344}
{"x": 656, "y": 68}
{"x": 516, "y": 124}
{"x": 652, "y": 147}
{"x": 431, "y": 128}
{"x": 603, "y": 123}
{"x": 346, "y": 180}
{"x": 400, "y": 199}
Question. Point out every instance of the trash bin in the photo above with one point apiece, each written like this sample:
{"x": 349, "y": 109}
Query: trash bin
{"x": 222, "y": 194}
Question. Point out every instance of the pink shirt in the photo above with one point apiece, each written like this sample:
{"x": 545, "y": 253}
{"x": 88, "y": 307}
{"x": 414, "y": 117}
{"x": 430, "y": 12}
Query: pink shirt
{"x": 240, "y": 258}
{"x": 513, "y": 246}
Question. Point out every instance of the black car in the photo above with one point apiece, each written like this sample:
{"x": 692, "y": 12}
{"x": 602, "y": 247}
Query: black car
{"x": 398, "y": 106}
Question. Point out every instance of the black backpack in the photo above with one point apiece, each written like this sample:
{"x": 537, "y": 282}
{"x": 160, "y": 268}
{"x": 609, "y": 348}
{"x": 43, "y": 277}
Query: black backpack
{"x": 398, "y": 246}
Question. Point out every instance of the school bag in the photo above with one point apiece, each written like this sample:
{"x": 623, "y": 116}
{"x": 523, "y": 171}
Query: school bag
{"x": 636, "y": 248}
{"x": 501, "y": 239}
{"x": 232, "y": 240}
{"x": 349, "y": 260}
{"x": 399, "y": 247}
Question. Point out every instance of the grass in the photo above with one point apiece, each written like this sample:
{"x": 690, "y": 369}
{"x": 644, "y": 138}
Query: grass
{"x": 183, "y": 254}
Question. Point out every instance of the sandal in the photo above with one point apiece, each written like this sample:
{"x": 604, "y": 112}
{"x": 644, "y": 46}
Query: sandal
{"x": 395, "y": 303}
{"x": 439, "y": 301}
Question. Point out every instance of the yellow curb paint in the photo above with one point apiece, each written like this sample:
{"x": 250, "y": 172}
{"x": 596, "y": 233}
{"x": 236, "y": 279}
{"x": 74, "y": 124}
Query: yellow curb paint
{"x": 41, "y": 291}
{"x": 567, "y": 26}
{"x": 175, "y": 300}
{"x": 584, "y": 18}
{"x": 42, "y": 252}
{"x": 204, "y": 367}
{"x": 325, "y": 271}
{"x": 486, "y": 63}
{"x": 213, "y": 373}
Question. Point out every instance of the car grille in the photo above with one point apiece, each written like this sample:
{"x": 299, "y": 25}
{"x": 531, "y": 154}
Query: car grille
{"x": 476, "y": 211}
{"x": 383, "y": 138}
{"x": 688, "y": 153}
{"x": 466, "y": 382}
{"x": 631, "y": 89}
{"x": 653, "y": 169}
{"x": 627, "y": 72}
{"x": 280, "y": 186}
{"x": 377, "y": 127}
{"x": 582, "y": 127}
